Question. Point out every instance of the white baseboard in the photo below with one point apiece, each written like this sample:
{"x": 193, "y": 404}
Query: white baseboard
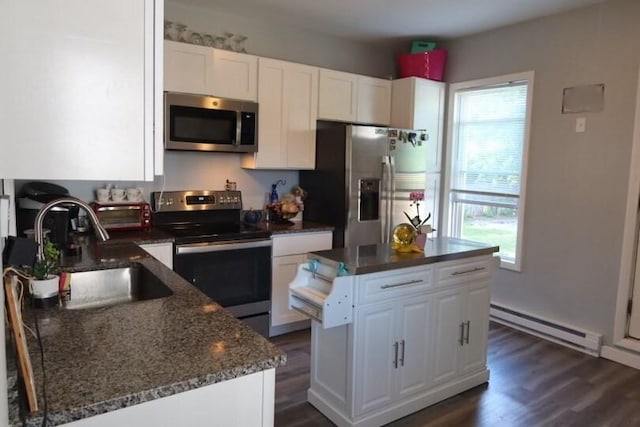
{"x": 561, "y": 333}
{"x": 624, "y": 357}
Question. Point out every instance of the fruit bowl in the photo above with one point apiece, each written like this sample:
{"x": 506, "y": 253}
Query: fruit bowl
{"x": 278, "y": 215}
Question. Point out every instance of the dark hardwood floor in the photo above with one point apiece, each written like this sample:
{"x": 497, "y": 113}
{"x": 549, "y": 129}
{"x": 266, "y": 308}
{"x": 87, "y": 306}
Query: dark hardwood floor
{"x": 533, "y": 383}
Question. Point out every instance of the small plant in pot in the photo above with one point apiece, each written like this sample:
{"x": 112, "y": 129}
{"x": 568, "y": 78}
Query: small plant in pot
{"x": 44, "y": 283}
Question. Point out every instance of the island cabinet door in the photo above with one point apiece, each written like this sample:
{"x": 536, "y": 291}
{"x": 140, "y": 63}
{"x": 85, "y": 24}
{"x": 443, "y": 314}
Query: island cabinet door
{"x": 415, "y": 323}
{"x": 449, "y": 335}
{"x": 375, "y": 353}
{"x": 474, "y": 350}
{"x": 462, "y": 328}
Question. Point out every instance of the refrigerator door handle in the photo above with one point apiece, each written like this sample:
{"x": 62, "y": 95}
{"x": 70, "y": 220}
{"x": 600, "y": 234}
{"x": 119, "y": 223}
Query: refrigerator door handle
{"x": 392, "y": 193}
{"x": 384, "y": 202}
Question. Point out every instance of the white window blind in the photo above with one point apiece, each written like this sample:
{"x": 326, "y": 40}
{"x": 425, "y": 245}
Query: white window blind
{"x": 488, "y": 128}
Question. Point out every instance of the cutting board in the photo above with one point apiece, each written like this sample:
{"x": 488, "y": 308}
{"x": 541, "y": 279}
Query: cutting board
{"x": 24, "y": 361}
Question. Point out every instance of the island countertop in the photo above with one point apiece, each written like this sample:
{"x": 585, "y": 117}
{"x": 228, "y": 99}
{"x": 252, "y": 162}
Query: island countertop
{"x": 381, "y": 257}
{"x": 103, "y": 359}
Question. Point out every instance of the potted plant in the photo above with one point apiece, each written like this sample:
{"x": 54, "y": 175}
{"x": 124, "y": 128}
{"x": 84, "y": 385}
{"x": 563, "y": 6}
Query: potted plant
{"x": 43, "y": 284}
{"x": 419, "y": 224}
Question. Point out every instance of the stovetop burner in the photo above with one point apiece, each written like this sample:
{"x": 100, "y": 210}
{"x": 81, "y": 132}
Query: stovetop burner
{"x": 202, "y": 216}
{"x": 197, "y": 233}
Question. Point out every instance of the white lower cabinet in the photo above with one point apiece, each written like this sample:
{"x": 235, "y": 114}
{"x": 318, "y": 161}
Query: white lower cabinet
{"x": 461, "y": 339}
{"x": 418, "y": 336}
{"x": 391, "y": 345}
{"x": 163, "y": 252}
{"x": 290, "y": 250}
{"x": 246, "y": 401}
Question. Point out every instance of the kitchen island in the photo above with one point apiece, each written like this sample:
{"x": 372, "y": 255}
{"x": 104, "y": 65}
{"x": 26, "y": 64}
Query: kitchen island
{"x": 177, "y": 360}
{"x": 395, "y": 332}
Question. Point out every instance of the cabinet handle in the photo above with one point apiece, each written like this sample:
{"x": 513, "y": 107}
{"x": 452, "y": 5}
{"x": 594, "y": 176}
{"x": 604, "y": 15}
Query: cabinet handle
{"x": 461, "y": 340}
{"x": 471, "y": 270}
{"x": 395, "y": 285}
{"x": 395, "y": 358}
{"x": 402, "y": 353}
{"x": 466, "y": 338}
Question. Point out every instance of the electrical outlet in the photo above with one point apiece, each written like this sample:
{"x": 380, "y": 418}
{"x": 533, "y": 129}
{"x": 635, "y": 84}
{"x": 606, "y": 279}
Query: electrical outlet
{"x": 581, "y": 124}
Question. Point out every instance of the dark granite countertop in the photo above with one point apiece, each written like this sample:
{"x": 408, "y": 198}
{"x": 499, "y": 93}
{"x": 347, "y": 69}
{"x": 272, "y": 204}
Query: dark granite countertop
{"x": 376, "y": 258}
{"x": 103, "y": 359}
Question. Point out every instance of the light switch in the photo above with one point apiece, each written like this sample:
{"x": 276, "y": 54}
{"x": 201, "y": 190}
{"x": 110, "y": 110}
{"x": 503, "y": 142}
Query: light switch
{"x": 581, "y": 124}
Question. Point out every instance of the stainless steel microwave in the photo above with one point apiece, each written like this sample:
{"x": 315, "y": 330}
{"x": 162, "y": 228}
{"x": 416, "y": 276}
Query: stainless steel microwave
{"x": 207, "y": 123}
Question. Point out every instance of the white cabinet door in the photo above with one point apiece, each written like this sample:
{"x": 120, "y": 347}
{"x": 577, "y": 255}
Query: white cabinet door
{"x": 375, "y": 357}
{"x": 338, "y": 97}
{"x": 188, "y": 68}
{"x": 78, "y": 90}
{"x": 235, "y": 75}
{"x": 415, "y": 322}
{"x": 163, "y": 252}
{"x": 374, "y": 101}
{"x": 474, "y": 351}
{"x": 449, "y": 335}
{"x": 419, "y": 104}
{"x": 302, "y": 114}
{"x": 462, "y": 322}
{"x": 288, "y": 98}
{"x": 284, "y": 271}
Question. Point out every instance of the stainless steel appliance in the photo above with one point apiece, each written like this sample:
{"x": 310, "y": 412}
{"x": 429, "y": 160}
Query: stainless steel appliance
{"x": 227, "y": 260}
{"x": 206, "y": 123}
{"x": 123, "y": 215}
{"x": 363, "y": 178}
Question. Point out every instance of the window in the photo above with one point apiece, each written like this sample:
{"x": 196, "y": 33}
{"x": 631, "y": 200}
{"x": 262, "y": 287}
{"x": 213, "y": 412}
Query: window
{"x": 487, "y": 162}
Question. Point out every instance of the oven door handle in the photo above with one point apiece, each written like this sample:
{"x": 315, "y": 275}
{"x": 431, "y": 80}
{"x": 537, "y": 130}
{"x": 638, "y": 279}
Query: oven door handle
{"x": 226, "y": 245}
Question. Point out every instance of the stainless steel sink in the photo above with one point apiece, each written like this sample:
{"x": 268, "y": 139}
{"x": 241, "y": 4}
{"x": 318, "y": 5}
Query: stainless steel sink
{"x": 100, "y": 288}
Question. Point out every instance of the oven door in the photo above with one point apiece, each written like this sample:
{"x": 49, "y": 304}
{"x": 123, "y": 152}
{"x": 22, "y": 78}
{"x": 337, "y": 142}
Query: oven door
{"x": 236, "y": 274}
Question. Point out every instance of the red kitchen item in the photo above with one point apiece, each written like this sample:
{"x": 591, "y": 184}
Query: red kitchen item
{"x": 428, "y": 65}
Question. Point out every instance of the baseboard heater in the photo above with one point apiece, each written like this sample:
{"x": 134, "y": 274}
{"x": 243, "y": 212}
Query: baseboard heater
{"x": 567, "y": 335}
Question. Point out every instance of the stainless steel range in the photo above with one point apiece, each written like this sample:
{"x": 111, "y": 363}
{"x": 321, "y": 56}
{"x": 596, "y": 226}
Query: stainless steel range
{"x": 226, "y": 259}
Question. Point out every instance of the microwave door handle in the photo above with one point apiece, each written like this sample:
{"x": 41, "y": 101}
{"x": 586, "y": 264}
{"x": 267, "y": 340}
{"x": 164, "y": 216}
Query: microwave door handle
{"x": 238, "y": 128}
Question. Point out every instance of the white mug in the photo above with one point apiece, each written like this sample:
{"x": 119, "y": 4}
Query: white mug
{"x": 134, "y": 194}
{"x": 117, "y": 194}
{"x": 102, "y": 194}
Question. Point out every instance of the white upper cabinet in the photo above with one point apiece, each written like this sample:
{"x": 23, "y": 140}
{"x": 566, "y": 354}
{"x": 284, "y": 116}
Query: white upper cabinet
{"x": 81, "y": 89}
{"x": 354, "y": 98}
{"x": 288, "y": 99}
{"x": 374, "y": 100}
{"x": 206, "y": 71}
{"x": 418, "y": 103}
{"x": 188, "y": 68}
{"x": 235, "y": 75}
{"x": 338, "y": 97}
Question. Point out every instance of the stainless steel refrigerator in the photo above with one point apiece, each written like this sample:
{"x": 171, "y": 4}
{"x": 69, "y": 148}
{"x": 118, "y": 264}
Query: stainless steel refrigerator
{"x": 363, "y": 178}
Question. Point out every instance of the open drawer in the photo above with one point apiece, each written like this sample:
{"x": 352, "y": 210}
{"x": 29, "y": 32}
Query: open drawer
{"x": 323, "y": 297}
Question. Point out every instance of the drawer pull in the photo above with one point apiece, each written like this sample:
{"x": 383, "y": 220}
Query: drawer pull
{"x": 396, "y": 285}
{"x": 471, "y": 270}
{"x": 395, "y": 358}
{"x": 466, "y": 337}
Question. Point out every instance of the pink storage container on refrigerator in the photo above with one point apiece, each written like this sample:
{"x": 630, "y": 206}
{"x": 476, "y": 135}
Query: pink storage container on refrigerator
{"x": 428, "y": 65}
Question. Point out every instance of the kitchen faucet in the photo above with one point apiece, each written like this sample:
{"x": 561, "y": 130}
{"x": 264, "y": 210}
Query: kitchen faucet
{"x": 101, "y": 233}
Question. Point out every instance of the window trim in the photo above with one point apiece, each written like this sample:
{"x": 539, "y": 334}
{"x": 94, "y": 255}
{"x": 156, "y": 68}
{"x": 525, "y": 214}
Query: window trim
{"x": 454, "y": 88}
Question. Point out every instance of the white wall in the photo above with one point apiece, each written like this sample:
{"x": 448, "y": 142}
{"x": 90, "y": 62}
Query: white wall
{"x": 186, "y": 170}
{"x": 287, "y": 43}
{"x": 577, "y": 183}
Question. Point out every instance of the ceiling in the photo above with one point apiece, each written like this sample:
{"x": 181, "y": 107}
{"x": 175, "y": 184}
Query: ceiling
{"x": 376, "y": 20}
